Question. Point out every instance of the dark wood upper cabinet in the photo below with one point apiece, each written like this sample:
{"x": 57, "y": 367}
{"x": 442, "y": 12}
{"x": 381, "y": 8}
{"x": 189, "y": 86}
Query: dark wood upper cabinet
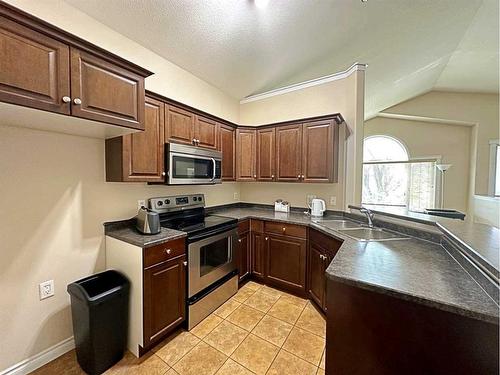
{"x": 227, "y": 145}
{"x": 205, "y": 132}
{"x": 104, "y": 92}
{"x": 34, "y": 69}
{"x": 164, "y": 298}
{"x": 179, "y": 126}
{"x": 139, "y": 156}
{"x": 288, "y": 152}
{"x": 245, "y": 154}
{"x": 286, "y": 262}
{"x": 266, "y": 153}
{"x": 318, "y": 151}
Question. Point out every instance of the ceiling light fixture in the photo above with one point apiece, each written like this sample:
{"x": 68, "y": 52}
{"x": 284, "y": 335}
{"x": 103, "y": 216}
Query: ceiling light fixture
{"x": 261, "y": 3}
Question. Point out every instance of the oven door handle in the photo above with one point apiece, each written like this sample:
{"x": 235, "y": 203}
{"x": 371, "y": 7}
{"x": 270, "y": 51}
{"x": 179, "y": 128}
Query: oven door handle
{"x": 211, "y": 233}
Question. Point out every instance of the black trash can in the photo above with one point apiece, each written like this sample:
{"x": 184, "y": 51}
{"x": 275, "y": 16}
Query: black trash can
{"x": 99, "y": 308}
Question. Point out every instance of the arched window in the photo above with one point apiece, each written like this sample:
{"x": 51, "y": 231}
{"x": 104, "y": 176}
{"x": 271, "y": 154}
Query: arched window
{"x": 391, "y": 178}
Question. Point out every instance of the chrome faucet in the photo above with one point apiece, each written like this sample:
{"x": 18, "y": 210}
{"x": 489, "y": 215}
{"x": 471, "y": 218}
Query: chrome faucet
{"x": 369, "y": 215}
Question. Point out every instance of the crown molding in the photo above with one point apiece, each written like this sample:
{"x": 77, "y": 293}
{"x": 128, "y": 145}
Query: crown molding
{"x": 302, "y": 85}
{"x": 435, "y": 120}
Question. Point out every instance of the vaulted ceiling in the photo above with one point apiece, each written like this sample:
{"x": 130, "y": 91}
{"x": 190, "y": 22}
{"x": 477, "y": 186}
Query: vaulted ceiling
{"x": 410, "y": 46}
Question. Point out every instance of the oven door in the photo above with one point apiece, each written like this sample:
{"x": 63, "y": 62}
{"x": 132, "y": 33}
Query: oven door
{"x": 210, "y": 259}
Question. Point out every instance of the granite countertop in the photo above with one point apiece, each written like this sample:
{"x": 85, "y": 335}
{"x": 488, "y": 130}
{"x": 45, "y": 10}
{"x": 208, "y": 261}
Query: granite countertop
{"x": 410, "y": 269}
{"x": 126, "y": 231}
{"x": 482, "y": 241}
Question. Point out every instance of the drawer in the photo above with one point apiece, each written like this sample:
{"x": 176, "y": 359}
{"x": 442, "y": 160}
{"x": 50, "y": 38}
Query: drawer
{"x": 257, "y": 226}
{"x": 164, "y": 251}
{"x": 286, "y": 229}
{"x": 330, "y": 244}
{"x": 243, "y": 226}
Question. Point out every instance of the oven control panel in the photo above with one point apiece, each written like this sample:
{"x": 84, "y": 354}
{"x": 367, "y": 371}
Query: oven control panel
{"x": 176, "y": 202}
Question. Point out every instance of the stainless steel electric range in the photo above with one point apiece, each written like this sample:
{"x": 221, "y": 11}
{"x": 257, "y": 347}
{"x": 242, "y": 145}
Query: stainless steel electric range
{"x": 212, "y": 276}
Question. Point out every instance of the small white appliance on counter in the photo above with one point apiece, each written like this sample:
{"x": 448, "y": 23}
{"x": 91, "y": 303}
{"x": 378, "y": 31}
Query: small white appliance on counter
{"x": 318, "y": 207}
{"x": 281, "y": 206}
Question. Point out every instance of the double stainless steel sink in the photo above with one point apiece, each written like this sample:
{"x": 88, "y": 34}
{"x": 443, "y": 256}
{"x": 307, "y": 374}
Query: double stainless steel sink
{"x": 360, "y": 232}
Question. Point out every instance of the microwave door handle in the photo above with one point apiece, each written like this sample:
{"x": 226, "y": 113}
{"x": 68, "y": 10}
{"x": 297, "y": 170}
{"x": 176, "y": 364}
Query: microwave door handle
{"x": 213, "y": 171}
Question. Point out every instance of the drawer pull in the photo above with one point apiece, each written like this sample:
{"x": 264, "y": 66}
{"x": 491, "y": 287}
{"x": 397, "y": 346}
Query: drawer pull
{"x": 185, "y": 263}
{"x": 283, "y": 229}
{"x": 168, "y": 251}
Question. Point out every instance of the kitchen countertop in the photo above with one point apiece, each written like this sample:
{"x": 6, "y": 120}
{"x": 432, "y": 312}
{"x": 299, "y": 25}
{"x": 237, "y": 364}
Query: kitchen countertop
{"x": 126, "y": 231}
{"x": 410, "y": 269}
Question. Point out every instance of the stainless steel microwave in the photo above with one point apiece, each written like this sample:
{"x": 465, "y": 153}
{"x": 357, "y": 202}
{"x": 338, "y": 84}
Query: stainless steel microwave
{"x": 189, "y": 165}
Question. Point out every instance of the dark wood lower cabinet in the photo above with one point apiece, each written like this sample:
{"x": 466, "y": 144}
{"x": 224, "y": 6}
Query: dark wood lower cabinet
{"x": 258, "y": 254}
{"x": 286, "y": 262}
{"x": 316, "y": 267}
{"x": 374, "y": 333}
{"x": 164, "y": 298}
{"x": 244, "y": 255}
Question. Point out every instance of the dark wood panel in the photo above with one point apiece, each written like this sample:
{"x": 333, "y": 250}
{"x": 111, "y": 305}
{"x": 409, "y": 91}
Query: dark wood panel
{"x": 179, "y": 126}
{"x": 289, "y": 153}
{"x": 257, "y": 226}
{"x": 330, "y": 244}
{"x": 286, "y": 229}
{"x": 245, "y": 155}
{"x": 286, "y": 262}
{"x": 244, "y": 226}
{"x": 34, "y": 70}
{"x": 227, "y": 145}
{"x": 244, "y": 255}
{"x": 107, "y": 93}
{"x": 205, "y": 132}
{"x": 144, "y": 151}
{"x": 373, "y": 333}
{"x": 317, "y": 151}
{"x": 316, "y": 279}
{"x": 164, "y": 251}
{"x": 266, "y": 153}
{"x": 258, "y": 254}
{"x": 164, "y": 299}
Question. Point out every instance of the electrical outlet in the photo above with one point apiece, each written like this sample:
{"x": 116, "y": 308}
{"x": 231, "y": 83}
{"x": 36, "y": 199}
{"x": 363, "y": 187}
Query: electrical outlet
{"x": 140, "y": 203}
{"x": 333, "y": 201}
{"x": 46, "y": 289}
{"x": 236, "y": 196}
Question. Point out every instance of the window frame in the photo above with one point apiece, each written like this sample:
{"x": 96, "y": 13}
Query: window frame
{"x": 436, "y": 159}
{"x": 494, "y": 146}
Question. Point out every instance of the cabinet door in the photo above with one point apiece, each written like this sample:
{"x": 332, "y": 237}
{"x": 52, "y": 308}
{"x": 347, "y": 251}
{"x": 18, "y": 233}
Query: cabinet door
{"x": 179, "y": 126}
{"x": 164, "y": 298}
{"x": 143, "y": 151}
{"x": 244, "y": 255}
{"x": 105, "y": 92}
{"x": 258, "y": 254}
{"x": 205, "y": 132}
{"x": 318, "y": 151}
{"x": 266, "y": 153}
{"x": 34, "y": 69}
{"x": 245, "y": 154}
{"x": 316, "y": 274}
{"x": 286, "y": 263}
{"x": 227, "y": 145}
{"x": 288, "y": 152}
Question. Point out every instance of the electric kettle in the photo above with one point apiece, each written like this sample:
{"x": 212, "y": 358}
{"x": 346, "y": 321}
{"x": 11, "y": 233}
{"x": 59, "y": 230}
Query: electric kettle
{"x": 318, "y": 206}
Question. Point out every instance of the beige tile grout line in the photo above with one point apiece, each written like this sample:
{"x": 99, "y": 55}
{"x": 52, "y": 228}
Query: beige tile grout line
{"x": 249, "y": 333}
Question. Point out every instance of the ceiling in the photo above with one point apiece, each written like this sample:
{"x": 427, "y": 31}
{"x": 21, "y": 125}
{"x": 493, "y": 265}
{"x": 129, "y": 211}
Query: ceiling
{"x": 411, "y": 47}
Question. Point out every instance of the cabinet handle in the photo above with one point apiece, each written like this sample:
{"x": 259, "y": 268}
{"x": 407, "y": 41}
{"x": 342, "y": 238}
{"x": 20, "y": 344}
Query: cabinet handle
{"x": 239, "y": 240}
{"x": 168, "y": 251}
{"x": 77, "y": 101}
{"x": 272, "y": 176}
{"x": 283, "y": 229}
{"x": 185, "y": 263}
{"x": 302, "y": 176}
{"x": 66, "y": 99}
{"x": 254, "y": 176}
{"x": 267, "y": 238}
{"x": 163, "y": 173}
{"x": 298, "y": 176}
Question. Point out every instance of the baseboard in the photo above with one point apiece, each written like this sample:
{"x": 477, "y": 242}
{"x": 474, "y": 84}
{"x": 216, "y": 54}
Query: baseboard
{"x": 31, "y": 364}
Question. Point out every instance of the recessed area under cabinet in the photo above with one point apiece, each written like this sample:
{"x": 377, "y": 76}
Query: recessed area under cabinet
{"x": 48, "y": 69}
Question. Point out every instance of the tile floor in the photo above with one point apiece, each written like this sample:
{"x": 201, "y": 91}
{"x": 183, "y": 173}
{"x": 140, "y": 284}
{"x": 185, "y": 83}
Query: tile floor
{"x": 260, "y": 330}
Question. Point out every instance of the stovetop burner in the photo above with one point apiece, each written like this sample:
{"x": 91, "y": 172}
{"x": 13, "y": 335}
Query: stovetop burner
{"x": 187, "y": 213}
